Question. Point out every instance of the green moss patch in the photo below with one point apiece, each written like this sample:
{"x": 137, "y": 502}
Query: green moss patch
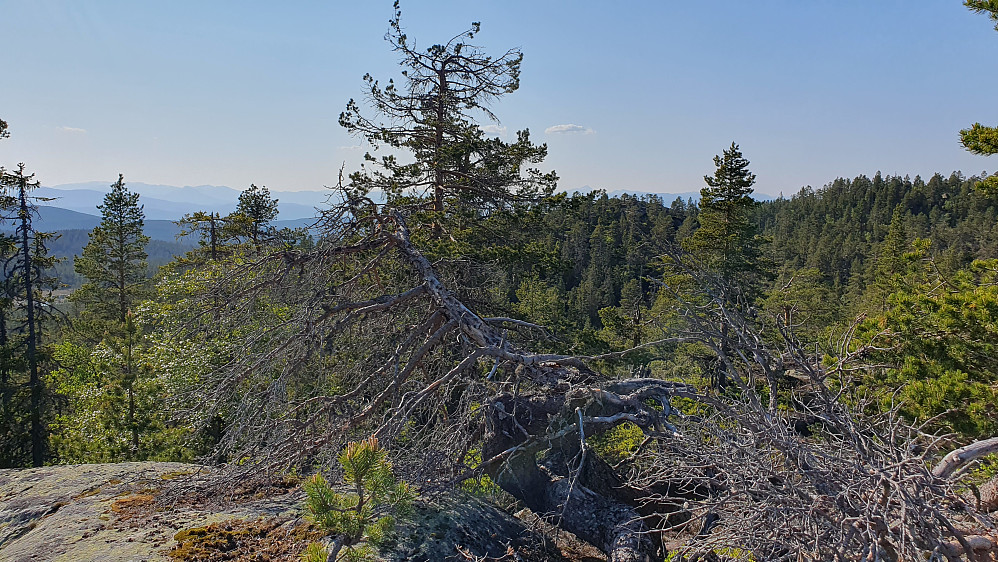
{"x": 174, "y": 474}
{"x": 260, "y": 540}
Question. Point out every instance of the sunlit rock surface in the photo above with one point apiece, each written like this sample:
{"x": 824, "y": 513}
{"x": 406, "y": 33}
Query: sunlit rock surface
{"x": 117, "y": 512}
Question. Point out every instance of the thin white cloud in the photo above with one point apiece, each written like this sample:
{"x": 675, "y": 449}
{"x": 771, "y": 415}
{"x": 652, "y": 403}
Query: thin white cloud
{"x": 352, "y": 147}
{"x": 494, "y": 130}
{"x": 73, "y": 130}
{"x": 569, "y": 128}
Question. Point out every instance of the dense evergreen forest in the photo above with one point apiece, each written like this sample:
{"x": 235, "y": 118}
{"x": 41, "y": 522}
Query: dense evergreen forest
{"x": 683, "y": 380}
{"x": 70, "y": 243}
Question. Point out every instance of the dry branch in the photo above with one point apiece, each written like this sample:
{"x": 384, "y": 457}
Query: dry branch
{"x": 373, "y": 341}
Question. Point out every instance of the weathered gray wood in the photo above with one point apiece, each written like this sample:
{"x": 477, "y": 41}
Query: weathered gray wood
{"x": 959, "y": 457}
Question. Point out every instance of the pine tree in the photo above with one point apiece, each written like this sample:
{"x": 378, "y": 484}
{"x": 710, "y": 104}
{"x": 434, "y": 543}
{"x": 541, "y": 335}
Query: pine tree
{"x": 114, "y": 261}
{"x": 8, "y": 369}
{"x": 978, "y": 138}
{"x": 115, "y": 400}
{"x": 430, "y": 114}
{"x": 214, "y": 232}
{"x": 362, "y": 520}
{"x": 989, "y": 7}
{"x": 726, "y": 242}
{"x": 255, "y": 211}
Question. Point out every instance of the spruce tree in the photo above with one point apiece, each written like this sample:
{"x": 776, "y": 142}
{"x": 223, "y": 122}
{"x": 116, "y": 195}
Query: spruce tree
{"x": 114, "y": 261}
{"x": 8, "y": 370}
{"x": 726, "y": 240}
{"x": 24, "y": 270}
{"x": 890, "y": 263}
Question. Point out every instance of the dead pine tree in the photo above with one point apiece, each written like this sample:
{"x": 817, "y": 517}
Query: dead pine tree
{"x": 363, "y": 336}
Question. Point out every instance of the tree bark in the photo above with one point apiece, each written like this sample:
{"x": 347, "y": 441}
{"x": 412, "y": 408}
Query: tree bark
{"x": 614, "y": 527}
{"x": 959, "y": 457}
{"x": 577, "y": 491}
{"x": 334, "y": 550}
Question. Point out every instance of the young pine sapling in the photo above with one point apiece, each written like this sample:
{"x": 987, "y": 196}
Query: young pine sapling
{"x": 361, "y": 520}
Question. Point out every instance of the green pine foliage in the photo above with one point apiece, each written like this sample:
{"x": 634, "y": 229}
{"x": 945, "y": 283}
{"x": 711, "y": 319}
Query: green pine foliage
{"x": 246, "y": 230}
{"x": 214, "y": 236}
{"x": 254, "y": 213}
{"x": 112, "y": 400}
{"x": 802, "y": 301}
{"x": 26, "y": 325}
{"x": 984, "y": 141}
{"x": 363, "y": 519}
{"x": 599, "y": 252}
{"x": 938, "y": 337}
{"x": 989, "y": 7}
{"x": 841, "y": 229}
{"x": 726, "y": 241}
{"x": 115, "y": 397}
{"x": 979, "y": 139}
{"x": 458, "y": 173}
{"x": 114, "y": 261}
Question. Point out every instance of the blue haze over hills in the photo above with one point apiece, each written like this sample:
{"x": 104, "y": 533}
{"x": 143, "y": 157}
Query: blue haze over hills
{"x": 169, "y": 202}
{"x": 74, "y": 206}
{"x": 71, "y": 210}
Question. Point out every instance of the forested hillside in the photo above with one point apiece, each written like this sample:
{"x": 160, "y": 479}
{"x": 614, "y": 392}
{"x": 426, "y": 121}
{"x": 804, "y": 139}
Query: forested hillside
{"x": 813, "y": 377}
{"x": 70, "y": 243}
{"x": 841, "y": 228}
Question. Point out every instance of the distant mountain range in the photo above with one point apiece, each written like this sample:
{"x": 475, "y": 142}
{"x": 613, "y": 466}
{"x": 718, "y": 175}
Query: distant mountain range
{"x": 667, "y": 197}
{"x": 55, "y": 219}
{"x": 74, "y": 228}
{"x": 168, "y": 202}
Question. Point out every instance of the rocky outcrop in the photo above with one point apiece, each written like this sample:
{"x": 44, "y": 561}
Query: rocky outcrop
{"x": 122, "y": 512}
{"x": 106, "y": 512}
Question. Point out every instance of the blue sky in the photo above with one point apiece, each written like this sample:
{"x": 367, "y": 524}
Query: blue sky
{"x": 228, "y": 93}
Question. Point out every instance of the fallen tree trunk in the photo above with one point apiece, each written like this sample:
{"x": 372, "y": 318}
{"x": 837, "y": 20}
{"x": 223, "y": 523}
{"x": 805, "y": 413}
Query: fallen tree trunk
{"x": 415, "y": 365}
{"x": 957, "y": 458}
{"x": 987, "y": 493}
{"x": 559, "y": 492}
{"x": 535, "y": 450}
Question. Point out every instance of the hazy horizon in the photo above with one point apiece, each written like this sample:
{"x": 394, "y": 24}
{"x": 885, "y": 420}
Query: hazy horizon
{"x": 637, "y": 97}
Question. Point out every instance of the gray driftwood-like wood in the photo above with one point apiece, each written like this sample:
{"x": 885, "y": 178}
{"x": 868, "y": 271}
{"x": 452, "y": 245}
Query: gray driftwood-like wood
{"x": 373, "y": 338}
